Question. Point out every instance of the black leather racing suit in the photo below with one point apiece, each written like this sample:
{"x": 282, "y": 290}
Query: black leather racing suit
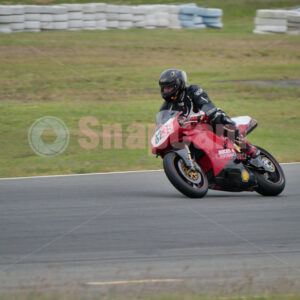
{"x": 195, "y": 99}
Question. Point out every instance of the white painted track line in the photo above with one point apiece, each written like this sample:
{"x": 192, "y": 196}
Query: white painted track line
{"x": 103, "y": 173}
{"x": 86, "y": 174}
{"x": 132, "y": 281}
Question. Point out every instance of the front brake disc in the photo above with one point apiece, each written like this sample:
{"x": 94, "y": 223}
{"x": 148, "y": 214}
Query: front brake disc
{"x": 191, "y": 175}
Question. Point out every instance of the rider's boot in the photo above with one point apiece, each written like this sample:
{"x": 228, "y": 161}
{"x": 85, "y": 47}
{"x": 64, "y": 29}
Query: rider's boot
{"x": 252, "y": 155}
{"x": 249, "y": 150}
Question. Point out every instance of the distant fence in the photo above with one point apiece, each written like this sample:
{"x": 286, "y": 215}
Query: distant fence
{"x": 277, "y": 21}
{"x": 101, "y": 16}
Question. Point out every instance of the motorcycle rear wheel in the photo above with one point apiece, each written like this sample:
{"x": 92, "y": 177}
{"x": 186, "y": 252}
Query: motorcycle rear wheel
{"x": 192, "y": 184}
{"x": 270, "y": 183}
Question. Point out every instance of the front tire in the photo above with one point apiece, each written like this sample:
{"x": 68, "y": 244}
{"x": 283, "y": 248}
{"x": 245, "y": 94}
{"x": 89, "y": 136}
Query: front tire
{"x": 192, "y": 184}
{"x": 270, "y": 183}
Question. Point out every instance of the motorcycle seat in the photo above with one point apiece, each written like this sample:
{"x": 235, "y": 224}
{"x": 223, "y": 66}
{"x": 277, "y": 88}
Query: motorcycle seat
{"x": 245, "y": 124}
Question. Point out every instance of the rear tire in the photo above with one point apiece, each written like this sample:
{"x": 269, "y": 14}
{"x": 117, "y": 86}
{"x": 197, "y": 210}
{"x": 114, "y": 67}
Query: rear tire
{"x": 180, "y": 180}
{"x": 270, "y": 184}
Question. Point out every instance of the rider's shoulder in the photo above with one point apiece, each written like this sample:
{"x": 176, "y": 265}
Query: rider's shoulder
{"x": 164, "y": 106}
{"x": 194, "y": 90}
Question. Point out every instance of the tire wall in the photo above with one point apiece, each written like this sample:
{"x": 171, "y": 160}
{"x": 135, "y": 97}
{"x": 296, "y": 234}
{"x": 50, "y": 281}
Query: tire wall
{"x": 101, "y": 16}
{"x": 277, "y": 21}
{"x": 194, "y": 17}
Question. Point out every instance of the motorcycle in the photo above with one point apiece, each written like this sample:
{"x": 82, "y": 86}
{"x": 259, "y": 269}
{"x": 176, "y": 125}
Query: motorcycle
{"x": 196, "y": 158}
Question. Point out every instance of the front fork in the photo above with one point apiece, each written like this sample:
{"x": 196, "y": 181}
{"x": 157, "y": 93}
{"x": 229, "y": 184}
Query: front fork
{"x": 186, "y": 156}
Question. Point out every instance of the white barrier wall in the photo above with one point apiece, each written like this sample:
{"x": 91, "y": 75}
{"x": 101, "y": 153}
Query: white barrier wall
{"x": 101, "y": 16}
{"x": 277, "y": 21}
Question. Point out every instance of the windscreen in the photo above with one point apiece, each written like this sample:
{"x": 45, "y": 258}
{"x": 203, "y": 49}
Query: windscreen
{"x": 164, "y": 115}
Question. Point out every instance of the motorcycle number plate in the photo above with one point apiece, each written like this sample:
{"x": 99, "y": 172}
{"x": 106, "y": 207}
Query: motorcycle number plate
{"x": 163, "y": 133}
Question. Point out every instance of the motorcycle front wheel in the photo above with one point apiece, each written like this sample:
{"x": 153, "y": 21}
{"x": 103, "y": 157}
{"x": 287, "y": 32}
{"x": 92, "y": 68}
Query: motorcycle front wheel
{"x": 270, "y": 183}
{"x": 193, "y": 184}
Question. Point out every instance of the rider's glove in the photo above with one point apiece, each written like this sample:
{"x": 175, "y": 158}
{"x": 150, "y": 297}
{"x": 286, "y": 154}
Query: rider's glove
{"x": 198, "y": 117}
{"x": 182, "y": 121}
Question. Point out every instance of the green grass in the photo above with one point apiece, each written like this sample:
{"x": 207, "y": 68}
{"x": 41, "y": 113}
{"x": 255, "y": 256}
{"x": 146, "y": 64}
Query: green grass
{"x": 112, "y": 76}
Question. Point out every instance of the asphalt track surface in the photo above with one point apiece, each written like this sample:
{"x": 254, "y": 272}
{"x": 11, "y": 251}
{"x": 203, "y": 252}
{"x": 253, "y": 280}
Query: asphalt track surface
{"x": 123, "y": 231}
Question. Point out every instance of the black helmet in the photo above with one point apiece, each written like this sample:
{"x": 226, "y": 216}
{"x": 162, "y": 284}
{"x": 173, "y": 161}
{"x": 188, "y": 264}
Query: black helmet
{"x": 172, "y": 83}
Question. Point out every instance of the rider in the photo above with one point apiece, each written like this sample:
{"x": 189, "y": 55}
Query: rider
{"x": 195, "y": 104}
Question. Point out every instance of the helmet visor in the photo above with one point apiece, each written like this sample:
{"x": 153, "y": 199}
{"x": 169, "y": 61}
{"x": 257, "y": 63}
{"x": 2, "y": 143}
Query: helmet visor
{"x": 169, "y": 88}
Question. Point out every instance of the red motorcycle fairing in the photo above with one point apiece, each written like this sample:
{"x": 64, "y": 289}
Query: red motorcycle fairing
{"x": 218, "y": 151}
{"x": 163, "y": 137}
